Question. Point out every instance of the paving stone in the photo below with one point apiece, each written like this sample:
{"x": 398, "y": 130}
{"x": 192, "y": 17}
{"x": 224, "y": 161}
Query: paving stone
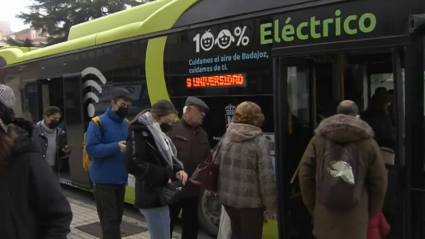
{"x": 86, "y": 214}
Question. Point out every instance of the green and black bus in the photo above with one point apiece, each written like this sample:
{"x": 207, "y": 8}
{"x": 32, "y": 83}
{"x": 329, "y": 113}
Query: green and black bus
{"x": 295, "y": 58}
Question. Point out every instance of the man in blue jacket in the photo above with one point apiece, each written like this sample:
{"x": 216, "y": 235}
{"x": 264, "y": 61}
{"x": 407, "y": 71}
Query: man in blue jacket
{"x": 107, "y": 170}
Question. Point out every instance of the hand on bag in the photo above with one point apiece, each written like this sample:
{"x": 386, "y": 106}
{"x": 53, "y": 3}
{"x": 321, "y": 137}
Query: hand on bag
{"x": 122, "y": 146}
{"x": 182, "y": 176}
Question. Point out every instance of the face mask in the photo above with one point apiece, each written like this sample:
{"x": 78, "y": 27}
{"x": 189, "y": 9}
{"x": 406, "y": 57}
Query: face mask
{"x": 165, "y": 127}
{"x": 122, "y": 112}
{"x": 53, "y": 124}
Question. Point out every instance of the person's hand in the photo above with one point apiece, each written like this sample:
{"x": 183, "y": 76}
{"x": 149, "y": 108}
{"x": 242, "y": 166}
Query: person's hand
{"x": 66, "y": 149}
{"x": 182, "y": 176}
{"x": 122, "y": 146}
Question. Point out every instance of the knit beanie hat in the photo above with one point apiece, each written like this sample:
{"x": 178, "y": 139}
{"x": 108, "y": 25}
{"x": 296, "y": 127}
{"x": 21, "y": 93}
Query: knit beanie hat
{"x": 7, "y": 102}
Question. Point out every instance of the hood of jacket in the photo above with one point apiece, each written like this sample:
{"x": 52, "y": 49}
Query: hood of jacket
{"x": 344, "y": 129}
{"x": 241, "y": 132}
{"x": 28, "y": 140}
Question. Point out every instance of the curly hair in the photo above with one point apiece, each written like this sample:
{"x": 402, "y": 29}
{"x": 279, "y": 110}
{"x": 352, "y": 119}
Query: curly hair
{"x": 7, "y": 142}
{"x": 248, "y": 112}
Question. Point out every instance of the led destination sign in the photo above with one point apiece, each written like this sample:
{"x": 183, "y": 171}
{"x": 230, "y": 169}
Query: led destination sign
{"x": 233, "y": 80}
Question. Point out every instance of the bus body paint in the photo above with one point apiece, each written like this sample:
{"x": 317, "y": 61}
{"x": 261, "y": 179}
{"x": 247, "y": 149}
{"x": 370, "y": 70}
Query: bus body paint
{"x": 163, "y": 18}
{"x": 154, "y": 66}
{"x": 116, "y": 20}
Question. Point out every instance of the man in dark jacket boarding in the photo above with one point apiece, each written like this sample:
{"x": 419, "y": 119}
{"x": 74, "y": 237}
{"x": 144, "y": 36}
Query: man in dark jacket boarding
{"x": 107, "y": 170}
{"x": 32, "y": 205}
{"x": 342, "y": 176}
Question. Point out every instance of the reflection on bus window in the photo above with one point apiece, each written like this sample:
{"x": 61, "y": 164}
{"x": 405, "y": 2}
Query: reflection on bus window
{"x": 298, "y": 95}
{"x": 132, "y": 81}
{"x": 30, "y": 102}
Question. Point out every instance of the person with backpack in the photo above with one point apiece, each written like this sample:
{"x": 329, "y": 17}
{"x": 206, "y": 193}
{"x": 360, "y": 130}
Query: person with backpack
{"x": 106, "y": 147}
{"x": 32, "y": 204}
{"x": 342, "y": 176}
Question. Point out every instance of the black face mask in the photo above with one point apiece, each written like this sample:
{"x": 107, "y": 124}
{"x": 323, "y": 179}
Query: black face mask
{"x": 53, "y": 124}
{"x": 165, "y": 127}
{"x": 122, "y": 112}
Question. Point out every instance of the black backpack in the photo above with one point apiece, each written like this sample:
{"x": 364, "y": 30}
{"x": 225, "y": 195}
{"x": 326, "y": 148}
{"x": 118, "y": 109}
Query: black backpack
{"x": 340, "y": 176}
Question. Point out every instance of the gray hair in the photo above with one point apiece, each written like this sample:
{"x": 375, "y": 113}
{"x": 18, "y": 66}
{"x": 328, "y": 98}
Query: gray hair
{"x": 347, "y": 107}
{"x": 185, "y": 109}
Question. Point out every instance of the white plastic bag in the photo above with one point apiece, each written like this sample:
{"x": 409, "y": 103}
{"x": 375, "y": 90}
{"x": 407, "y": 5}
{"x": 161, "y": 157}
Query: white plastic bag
{"x": 225, "y": 230}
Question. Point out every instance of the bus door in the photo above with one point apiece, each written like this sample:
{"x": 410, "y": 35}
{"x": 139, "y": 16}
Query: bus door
{"x": 49, "y": 93}
{"x": 329, "y": 78}
{"x": 74, "y": 124}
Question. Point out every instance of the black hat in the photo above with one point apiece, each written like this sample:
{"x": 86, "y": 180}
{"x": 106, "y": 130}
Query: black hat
{"x": 196, "y": 102}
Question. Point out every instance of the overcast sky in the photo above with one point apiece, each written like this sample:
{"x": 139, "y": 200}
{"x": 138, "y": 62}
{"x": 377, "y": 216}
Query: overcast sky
{"x": 8, "y": 10}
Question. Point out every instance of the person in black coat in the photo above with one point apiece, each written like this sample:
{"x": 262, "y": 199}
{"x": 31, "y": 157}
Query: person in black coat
{"x": 151, "y": 158}
{"x": 32, "y": 205}
{"x": 377, "y": 116}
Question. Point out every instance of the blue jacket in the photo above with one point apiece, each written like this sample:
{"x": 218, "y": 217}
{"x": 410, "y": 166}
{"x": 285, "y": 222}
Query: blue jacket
{"x": 107, "y": 162}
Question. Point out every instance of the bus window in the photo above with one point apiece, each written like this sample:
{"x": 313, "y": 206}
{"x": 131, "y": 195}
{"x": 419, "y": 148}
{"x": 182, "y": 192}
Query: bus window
{"x": 131, "y": 79}
{"x": 298, "y": 95}
{"x": 30, "y": 101}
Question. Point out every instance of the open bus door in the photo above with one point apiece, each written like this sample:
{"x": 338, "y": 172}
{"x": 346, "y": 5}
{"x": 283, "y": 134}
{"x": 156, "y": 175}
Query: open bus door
{"x": 329, "y": 78}
{"x": 74, "y": 124}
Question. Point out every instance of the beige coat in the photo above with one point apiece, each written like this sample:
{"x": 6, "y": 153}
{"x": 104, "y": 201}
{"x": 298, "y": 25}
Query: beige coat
{"x": 352, "y": 224}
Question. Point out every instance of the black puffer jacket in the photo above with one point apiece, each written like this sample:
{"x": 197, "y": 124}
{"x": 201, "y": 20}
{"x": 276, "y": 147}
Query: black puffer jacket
{"x": 147, "y": 165}
{"x": 385, "y": 132}
{"x": 32, "y": 205}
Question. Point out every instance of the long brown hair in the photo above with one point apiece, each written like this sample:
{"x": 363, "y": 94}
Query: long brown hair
{"x": 7, "y": 142}
{"x": 159, "y": 109}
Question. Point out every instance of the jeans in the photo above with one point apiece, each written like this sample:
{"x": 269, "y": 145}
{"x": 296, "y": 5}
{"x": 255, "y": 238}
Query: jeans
{"x": 158, "y": 220}
{"x": 189, "y": 207}
{"x": 110, "y": 208}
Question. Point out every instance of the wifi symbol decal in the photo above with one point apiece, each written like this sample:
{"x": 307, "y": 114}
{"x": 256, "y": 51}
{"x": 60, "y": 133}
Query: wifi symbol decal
{"x": 90, "y": 82}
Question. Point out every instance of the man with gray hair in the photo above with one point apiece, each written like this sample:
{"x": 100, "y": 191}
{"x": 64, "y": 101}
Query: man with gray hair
{"x": 192, "y": 145}
{"x": 342, "y": 175}
{"x": 347, "y": 107}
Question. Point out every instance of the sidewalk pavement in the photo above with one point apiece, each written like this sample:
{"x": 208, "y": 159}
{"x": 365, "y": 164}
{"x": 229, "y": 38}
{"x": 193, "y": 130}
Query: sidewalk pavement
{"x": 85, "y": 214}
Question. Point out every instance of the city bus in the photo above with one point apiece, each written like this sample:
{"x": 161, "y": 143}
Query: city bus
{"x": 295, "y": 58}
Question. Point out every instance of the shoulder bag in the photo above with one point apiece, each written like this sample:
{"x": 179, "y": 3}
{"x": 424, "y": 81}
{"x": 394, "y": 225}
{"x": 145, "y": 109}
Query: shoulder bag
{"x": 206, "y": 174}
{"x": 170, "y": 193}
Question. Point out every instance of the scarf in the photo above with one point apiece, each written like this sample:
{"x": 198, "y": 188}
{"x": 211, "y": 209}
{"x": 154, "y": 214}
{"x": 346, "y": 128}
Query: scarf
{"x": 163, "y": 143}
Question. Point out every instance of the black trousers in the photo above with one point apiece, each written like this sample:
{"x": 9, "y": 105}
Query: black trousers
{"x": 246, "y": 223}
{"x": 110, "y": 208}
{"x": 189, "y": 215}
